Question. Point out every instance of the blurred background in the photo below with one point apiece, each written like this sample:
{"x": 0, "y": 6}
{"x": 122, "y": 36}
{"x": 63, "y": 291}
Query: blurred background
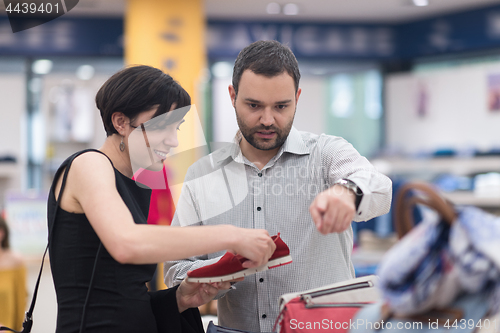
{"x": 414, "y": 85}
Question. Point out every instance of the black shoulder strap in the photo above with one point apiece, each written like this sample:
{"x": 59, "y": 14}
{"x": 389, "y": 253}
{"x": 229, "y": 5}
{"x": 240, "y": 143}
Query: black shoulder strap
{"x": 89, "y": 291}
{"x": 28, "y": 320}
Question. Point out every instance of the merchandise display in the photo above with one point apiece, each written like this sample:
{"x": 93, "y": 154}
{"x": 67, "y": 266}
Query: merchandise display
{"x": 441, "y": 274}
{"x": 332, "y": 306}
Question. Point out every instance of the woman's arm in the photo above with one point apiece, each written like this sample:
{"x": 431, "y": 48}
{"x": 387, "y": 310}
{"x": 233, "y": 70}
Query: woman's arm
{"x": 91, "y": 186}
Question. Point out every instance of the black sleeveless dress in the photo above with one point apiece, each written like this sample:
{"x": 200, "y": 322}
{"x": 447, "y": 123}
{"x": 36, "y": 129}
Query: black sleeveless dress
{"x": 119, "y": 301}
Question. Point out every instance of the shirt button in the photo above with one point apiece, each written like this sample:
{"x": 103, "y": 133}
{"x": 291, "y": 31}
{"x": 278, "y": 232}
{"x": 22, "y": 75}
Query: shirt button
{"x": 259, "y": 174}
{"x": 261, "y": 280}
{"x": 259, "y": 209}
{"x": 264, "y": 316}
{"x": 360, "y": 213}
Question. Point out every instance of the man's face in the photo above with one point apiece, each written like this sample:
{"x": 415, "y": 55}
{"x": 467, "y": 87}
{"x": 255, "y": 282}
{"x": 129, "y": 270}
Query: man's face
{"x": 265, "y": 108}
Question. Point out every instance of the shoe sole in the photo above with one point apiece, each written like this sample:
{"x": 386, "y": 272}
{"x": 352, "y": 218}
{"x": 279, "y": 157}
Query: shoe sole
{"x": 248, "y": 271}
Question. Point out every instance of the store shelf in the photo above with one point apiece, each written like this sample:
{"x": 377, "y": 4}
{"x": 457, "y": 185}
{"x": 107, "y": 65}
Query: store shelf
{"x": 426, "y": 169}
{"x": 468, "y": 198}
{"x": 453, "y": 165}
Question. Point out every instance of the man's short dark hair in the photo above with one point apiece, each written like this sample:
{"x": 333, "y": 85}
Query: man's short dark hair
{"x": 137, "y": 89}
{"x": 266, "y": 57}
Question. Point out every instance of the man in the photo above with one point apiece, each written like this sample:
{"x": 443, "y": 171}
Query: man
{"x": 307, "y": 187}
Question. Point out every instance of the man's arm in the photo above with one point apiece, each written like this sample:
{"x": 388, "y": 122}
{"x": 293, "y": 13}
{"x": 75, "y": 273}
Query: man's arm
{"x": 176, "y": 271}
{"x": 334, "y": 209}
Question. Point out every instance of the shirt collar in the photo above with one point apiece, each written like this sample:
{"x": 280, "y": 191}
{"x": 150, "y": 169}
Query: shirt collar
{"x": 294, "y": 144}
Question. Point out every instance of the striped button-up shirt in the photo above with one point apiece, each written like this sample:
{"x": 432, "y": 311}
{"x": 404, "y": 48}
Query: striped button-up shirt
{"x": 225, "y": 188}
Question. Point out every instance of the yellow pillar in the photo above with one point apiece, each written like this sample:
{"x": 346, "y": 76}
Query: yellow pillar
{"x": 169, "y": 34}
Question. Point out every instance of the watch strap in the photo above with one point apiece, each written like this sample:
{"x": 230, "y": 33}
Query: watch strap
{"x": 349, "y": 184}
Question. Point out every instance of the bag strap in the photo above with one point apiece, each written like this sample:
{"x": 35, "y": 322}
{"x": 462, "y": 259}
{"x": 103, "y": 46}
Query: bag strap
{"x": 28, "y": 319}
{"x": 431, "y": 198}
{"x": 404, "y": 205}
{"x": 89, "y": 291}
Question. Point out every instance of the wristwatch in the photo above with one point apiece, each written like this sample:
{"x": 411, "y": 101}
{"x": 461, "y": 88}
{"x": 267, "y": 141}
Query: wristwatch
{"x": 351, "y": 186}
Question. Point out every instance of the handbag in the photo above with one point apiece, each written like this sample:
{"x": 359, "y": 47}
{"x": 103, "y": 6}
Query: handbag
{"x": 454, "y": 250}
{"x": 328, "y": 308}
{"x": 443, "y": 274}
{"x": 163, "y": 303}
{"x": 28, "y": 319}
{"x": 467, "y": 314}
{"x": 212, "y": 328}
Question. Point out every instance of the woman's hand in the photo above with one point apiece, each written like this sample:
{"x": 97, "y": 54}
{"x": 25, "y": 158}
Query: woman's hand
{"x": 255, "y": 245}
{"x": 192, "y": 295}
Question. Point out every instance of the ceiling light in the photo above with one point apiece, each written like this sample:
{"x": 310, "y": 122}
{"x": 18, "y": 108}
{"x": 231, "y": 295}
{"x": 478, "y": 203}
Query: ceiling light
{"x": 273, "y": 8}
{"x": 222, "y": 69}
{"x": 85, "y": 72}
{"x": 42, "y": 66}
{"x": 290, "y": 9}
{"x": 421, "y": 3}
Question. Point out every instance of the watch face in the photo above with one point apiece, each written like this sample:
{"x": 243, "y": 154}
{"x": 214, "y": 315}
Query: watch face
{"x": 352, "y": 186}
{"x": 344, "y": 182}
{"x": 348, "y": 184}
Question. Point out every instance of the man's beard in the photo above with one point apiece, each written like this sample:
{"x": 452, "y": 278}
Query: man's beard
{"x": 264, "y": 144}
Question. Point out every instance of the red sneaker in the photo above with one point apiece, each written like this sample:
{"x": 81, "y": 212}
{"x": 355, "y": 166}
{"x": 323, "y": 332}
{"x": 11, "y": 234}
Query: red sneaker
{"x": 229, "y": 267}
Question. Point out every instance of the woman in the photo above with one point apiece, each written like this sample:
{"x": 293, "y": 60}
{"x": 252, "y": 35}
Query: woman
{"x": 12, "y": 282}
{"x": 102, "y": 204}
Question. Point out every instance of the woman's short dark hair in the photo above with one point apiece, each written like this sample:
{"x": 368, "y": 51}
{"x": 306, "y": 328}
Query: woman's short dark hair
{"x": 137, "y": 89}
{"x": 5, "y": 241}
{"x": 266, "y": 57}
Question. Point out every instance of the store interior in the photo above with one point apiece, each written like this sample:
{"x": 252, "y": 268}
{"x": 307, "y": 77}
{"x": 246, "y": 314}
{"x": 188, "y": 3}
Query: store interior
{"x": 414, "y": 85}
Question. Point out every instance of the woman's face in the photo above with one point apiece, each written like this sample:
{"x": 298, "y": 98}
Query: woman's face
{"x": 151, "y": 139}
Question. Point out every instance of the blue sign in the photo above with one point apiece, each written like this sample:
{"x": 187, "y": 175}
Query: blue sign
{"x": 226, "y": 39}
{"x": 466, "y": 31}
{"x": 63, "y": 37}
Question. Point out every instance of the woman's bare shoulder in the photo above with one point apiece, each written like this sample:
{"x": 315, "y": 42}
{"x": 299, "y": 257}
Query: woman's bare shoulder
{"x": 91, "y": 162}
{"x": 89, "y": 172}
{"x": 92, "y": 165}
{"x": 93, "y": 158}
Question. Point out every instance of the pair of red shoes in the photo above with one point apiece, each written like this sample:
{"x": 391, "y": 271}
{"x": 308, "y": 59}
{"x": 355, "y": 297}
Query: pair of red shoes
{"x": 229, "y": 267}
